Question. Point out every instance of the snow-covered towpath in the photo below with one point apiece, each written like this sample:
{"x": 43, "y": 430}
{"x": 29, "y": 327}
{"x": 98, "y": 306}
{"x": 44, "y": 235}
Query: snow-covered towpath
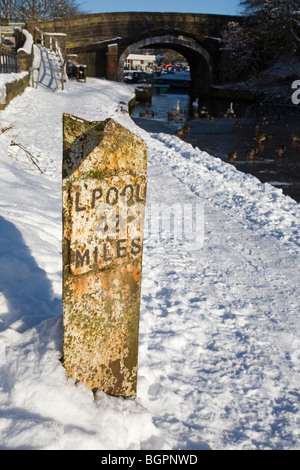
{"x": 219, "y": 353}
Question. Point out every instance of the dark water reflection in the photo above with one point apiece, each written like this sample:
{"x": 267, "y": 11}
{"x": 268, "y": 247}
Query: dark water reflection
{"x": 220, "y": 136}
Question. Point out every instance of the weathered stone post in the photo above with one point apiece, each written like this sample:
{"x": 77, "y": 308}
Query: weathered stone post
{"x": 112, "y": 62}
{"x": 104, "y": 193}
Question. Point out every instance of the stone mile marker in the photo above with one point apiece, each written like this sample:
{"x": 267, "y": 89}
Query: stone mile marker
{"x": 104, "y": 195}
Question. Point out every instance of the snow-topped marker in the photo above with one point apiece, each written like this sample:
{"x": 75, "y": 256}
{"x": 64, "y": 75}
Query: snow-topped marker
{"x": 104, "y": 195}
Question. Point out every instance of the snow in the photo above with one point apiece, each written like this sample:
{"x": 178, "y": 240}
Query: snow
{"x": 219, "y": 350}
{"x": 8, "y": 78}
{"x": 36, "y": 57}
{"x": 27, "y": 47}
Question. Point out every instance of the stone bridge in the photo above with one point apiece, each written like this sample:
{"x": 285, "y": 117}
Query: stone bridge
{"x": 103, "y": 41}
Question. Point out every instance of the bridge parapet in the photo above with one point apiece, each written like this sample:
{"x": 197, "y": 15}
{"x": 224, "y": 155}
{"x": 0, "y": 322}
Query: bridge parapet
{"x": 85, "y": 29}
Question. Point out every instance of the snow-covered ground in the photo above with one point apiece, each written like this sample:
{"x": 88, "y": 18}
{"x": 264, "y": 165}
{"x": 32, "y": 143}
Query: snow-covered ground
{"x": 219, "y": 351}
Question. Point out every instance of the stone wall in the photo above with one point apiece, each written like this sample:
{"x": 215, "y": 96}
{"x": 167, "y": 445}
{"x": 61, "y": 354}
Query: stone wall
{"x": 25, "y": 60}
{"x": 13, "y": 89}
{"x": 24, "y": 43}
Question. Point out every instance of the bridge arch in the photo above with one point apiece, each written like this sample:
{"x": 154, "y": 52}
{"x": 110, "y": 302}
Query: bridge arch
{"x": 99, "y": 39}
{"x": 199, "y": 59}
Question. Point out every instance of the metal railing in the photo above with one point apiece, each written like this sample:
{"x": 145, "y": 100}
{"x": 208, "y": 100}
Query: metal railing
{"x": 51, "y": 42}
{"x": 8, "y": 62}
{"x": 8, "y": 56}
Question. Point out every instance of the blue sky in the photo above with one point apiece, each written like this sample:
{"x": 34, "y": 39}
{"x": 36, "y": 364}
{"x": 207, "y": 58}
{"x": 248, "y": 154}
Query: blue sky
{"x": 227, "y": 7}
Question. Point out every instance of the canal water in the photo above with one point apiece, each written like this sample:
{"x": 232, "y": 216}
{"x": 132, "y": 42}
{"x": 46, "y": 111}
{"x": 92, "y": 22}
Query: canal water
{"x": 212, "y": 129}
